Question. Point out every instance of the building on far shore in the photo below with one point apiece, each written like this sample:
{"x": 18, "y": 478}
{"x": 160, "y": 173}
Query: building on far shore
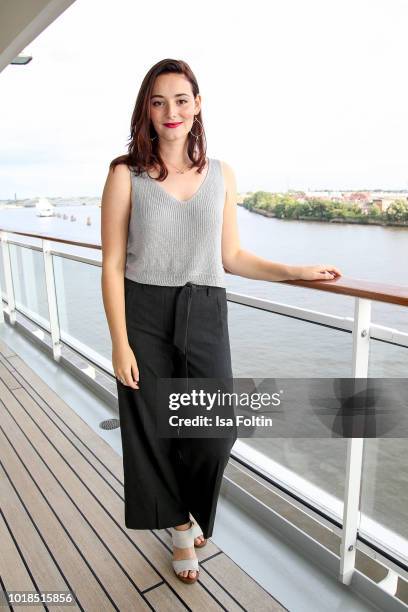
{"x": 383, "y": 203}
{"x": 364, "y": 199}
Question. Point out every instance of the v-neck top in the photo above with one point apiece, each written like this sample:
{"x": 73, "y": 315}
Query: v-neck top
{"x": 171, "y": 241}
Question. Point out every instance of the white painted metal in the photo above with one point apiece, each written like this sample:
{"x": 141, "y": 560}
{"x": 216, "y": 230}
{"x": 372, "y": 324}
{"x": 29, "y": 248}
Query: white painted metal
{"x": 292, "y": 481}
{"x": 8, "y": 276}
{"x": 52, "y": 300}
{"x": 1, "y": 304}
{"x": 304, "y": 314}
{"x": 390, "y": 582}
{"x": 354, "y": 460}
{"x": 388, "y": 334}
{"x": 21, "y": 23}
{"x": 88, "y": 353}
{"x": 351, "y": 512}
{"x": 361, "y": 337}
{"x": 360, "y": 326}
{"x": 377, "y": 332}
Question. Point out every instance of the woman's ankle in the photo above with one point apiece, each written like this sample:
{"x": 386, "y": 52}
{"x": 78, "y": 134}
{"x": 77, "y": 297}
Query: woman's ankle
{"x": 183, "y": 527}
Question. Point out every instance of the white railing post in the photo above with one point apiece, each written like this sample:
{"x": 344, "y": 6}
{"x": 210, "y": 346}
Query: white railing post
{"x": 354, "y": 460}
{"x": 8, "y": 277}
{"x": 52, "y": 299}
{"x": 1, "y": 294}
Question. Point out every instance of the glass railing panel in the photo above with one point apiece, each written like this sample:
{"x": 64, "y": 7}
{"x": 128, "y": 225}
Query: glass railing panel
{"x": 2, "y": 278}
{"x": 373, "y": 253}
{"x": 387, "y": 360}
{"x": 81, "y": 314}
{"x": 390, "y": 315}
{"x": 265, "y": 345}
{"x": 30, "y": 292}
{"x": 384, "y": 494}
{"x": 384, "y": 489}
{"x": 322, "y": 301}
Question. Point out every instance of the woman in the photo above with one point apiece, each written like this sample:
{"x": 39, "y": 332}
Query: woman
{"x": 169, "y": 233}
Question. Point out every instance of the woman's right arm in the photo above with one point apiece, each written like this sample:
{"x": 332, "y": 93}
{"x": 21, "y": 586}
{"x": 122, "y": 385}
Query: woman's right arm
{"x": 115, "y": 214}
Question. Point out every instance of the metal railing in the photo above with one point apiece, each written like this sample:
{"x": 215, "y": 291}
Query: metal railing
{"x": 360, "y": 326}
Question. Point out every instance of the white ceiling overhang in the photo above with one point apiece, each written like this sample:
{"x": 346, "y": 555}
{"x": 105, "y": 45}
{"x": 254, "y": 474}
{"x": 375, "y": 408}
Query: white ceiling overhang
{"x": 21, "y": 21}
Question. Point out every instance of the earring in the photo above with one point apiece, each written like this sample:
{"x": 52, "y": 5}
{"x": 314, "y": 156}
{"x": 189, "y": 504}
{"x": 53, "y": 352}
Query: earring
{"x": 195, "y": 135}
{"x": 154, "y": 137}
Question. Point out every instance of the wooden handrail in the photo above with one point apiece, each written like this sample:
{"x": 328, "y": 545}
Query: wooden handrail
{"x": 88, "y": 245}
{"x": 380, "y": 292}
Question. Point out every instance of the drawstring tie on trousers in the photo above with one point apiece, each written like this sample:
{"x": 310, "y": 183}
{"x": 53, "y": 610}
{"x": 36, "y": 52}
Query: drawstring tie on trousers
{"x": 182, "y": 315}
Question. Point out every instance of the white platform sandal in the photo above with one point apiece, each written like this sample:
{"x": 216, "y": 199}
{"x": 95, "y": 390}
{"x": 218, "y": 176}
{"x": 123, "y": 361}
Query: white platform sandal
{"x": 197, "y": 532}
{"x": 184, "y": 539}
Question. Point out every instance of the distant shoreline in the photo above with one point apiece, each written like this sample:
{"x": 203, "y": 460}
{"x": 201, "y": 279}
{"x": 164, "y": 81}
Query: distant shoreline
{"x": 355, "y": 221}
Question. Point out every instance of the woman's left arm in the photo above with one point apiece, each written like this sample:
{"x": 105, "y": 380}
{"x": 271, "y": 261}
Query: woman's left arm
{"x": 239, "y": 262}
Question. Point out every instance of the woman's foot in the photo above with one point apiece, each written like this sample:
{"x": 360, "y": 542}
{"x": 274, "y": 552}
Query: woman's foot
{"x": 185, "y": 553}
{"x": 199, "y": 539}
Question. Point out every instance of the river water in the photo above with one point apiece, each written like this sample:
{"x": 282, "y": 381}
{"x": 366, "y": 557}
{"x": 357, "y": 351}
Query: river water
{"x": 264, "y": 344}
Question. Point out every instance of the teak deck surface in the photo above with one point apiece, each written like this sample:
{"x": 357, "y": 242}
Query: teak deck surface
{"x": 62, "y": 519}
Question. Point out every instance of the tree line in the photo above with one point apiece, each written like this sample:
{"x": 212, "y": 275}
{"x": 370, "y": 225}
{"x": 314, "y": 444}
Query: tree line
{"x": 285, "y": 206}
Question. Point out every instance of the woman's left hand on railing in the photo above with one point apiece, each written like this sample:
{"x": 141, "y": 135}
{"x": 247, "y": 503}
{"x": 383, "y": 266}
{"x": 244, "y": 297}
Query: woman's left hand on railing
{"x": 319, "y": 272}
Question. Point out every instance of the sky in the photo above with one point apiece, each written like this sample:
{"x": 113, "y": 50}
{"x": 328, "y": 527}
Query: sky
{"x": 295, "y": 94}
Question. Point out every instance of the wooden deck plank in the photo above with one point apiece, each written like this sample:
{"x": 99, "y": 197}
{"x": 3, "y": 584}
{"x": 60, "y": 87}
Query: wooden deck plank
{"x": 14, "y": 573}
{"x": 163, "y": 600}
{"x": 8, "y": 378}
{"x": 41, "y": 564}
{"x": 221, "y": 595}
{"x": 243, "y": 588}
{"x": 96, "y": 446}
{"x": 94, "y": 449}
{"x": 86, "y": 493}
{"x": 56, "y": 511}
{"x": 51, "y": 458}
{"x": 102, "y": 507}
{"x": 61, "y": 501}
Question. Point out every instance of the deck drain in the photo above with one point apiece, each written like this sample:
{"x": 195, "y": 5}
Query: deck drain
{"x": 110, "y": 424}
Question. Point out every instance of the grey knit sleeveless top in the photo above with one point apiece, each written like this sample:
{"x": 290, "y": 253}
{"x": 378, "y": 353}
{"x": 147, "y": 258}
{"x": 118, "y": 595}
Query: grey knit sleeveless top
{"x": 170, "y": 241}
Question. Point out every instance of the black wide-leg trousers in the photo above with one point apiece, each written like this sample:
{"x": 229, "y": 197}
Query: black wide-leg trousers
{"x": 174, "y": 332}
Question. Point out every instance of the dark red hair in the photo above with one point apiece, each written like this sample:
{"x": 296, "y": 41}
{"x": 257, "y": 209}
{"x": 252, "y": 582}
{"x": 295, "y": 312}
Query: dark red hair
{"x": 143, "y": 152}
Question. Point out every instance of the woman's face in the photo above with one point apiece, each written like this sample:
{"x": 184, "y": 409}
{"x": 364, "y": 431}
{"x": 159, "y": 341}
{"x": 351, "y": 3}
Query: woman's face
{"x": 172, "y": 102}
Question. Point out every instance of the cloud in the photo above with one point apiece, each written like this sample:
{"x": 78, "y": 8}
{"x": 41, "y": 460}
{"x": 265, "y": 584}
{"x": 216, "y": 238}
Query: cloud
{"x": 294, "y": 94}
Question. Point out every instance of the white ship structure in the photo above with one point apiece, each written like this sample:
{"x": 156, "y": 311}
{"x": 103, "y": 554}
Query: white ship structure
{"x": 44, "y": 208}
